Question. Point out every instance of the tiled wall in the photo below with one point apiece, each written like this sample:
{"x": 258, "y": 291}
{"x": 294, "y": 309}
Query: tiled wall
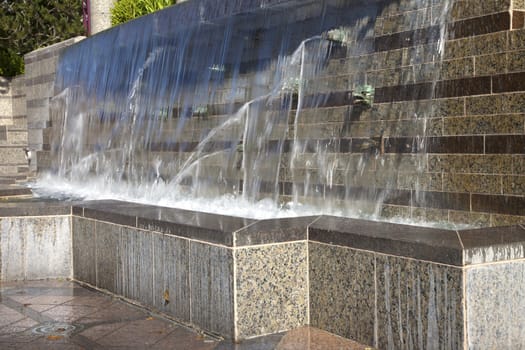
{"x": 394, "y": 292}
{"x": 13, "y": 130}
{"x": 453, "y": 124}
{"x": 40, "y": 68}
{"x": 33, "y": 248}
{"x": 467, "y": 165}
{"x": 386, "y": 285}
{"x": 236, "y": 292}
{"x": 386, "y": 301}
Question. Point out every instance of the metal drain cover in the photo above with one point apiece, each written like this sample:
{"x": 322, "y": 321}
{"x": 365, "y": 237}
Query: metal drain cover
{"x": 56, "y": 328}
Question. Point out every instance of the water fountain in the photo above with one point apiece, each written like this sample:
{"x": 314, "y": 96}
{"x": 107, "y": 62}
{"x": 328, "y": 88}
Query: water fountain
{"x": 156, "y": 120}
{"x": 297, "y": 120}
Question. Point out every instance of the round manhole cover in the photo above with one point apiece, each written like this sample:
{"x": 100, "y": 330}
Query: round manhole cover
{"x": 58, "y": 328}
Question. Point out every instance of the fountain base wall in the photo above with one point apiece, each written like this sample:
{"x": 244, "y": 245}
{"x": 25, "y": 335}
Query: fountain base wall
{"x": 382, "y": 284}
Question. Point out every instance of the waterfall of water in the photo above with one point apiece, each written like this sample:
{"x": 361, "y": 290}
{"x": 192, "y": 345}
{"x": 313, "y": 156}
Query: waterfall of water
{"x": 272, "y": 106}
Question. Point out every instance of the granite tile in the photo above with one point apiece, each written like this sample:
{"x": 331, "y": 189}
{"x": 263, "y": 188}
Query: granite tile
{"x": 84, "y": 250}
{"x": 206, "y": 227}
{"x": 458, "y": 68}
{"x": 211, "y": 288}
{"x": 505, "y": 144}
{"x": 441, "y": 200}
{"x": 490, "y": 64}
{"x": 34, "y": 208}
{"x": 487, "y": 245}
{"x": 480, "y": 25}
{"x": 12, "y": 256}
{"x": 273, "y": 231}
{"x": 518, "y": 19}
{"x": 47, "y": 247}
{"x": 107, "y": 255}
{"x": 494, "y": 124}
{"x": 426, "y": 215}
{"x": 517, "y": 40}
{"x": 515, "y": 61}
{"x": 472, "y": 8}
{"x": 420, "y": 181}
{"x": 490, "y": 43}
{"x": 472, "y": 183}
{"x": 171, "y": 289}
{"x": 469, "y": 218}
{"x": 422, "y": 243}
{"x": 110, "y": 215}
{"x": 419, "y": 305}
{"x": 459, "y": 48}
{"x": 463, "y": 87}
{"x": 508, "y": 82}
{"x": 514, "y": 185}
{"x": 271, "y": 285}
{"x": 448, "y": 107}
{"x": 342, "y": 293}
{"x": 483, "y": 105}
{"x": 495, "y": 312}
{"x": 497, "y": 220}
{"x": 393, "y": 211}
{"x": 135, "y": 280}
{"x": 498, "y": 204}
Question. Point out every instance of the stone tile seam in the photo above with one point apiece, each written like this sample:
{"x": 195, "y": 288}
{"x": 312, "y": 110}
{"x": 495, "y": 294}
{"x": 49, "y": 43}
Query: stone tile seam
{"x": 389, "y": 255}
{"x": 187, "y": 238}
{"x": 464, "y": 308}
{"x": 155, "y": 232}
{"x": 235, "y": 287}
{"x": 35, "y": 216}
{"x": 502, "y": 262}
{"x": 266, "y": 245}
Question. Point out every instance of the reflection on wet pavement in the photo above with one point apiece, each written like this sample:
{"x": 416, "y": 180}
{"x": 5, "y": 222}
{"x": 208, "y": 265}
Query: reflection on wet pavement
{"x": 65, "y": 315}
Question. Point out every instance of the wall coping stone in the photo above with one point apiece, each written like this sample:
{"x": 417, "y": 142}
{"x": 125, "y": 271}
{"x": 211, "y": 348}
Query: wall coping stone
{"x": 444, "y": 246}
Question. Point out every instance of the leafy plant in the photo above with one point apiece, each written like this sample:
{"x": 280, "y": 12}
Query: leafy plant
{"x": 26, "y": 25}
{"x": 125, "y": 10}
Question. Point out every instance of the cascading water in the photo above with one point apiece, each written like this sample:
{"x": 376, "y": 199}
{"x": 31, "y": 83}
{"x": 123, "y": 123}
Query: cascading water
{"x": 237, "y": 113}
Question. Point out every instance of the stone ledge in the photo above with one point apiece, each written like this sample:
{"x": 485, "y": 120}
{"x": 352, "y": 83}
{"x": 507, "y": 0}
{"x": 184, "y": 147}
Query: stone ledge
{"x": 280, "y": 274}
{"x": 451, "y": 247}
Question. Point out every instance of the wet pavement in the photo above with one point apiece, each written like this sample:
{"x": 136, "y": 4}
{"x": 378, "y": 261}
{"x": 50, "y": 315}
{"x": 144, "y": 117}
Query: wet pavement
{"x": 64, "y": 315}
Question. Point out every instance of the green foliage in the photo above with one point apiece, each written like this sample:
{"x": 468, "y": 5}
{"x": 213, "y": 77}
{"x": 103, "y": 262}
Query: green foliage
{"x": 125, "y": 10}
{"x": 26, "y": 25}
{"x": 11, "y": 64}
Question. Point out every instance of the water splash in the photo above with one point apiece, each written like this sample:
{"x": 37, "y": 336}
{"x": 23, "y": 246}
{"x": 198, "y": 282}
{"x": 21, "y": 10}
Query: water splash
{"x": 236, "y": 108}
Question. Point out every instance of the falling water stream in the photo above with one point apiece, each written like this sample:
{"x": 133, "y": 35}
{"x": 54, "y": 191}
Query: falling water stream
{"x": 221, "y": 107}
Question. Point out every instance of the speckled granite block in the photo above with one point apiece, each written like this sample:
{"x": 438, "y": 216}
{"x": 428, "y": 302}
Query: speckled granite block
{"x": 419, "y": 305}
{"x": 108, "y": 255}
{"x": 171, "y": 288}
{"x": 84, "y": 248}
{"x": 35, "y": 248}
{"x": 136, "y": 261}
{"x": 271, "y": 289}
{"x": 211, "y": 288}
{"x": 11, "y": 251}
{"x": 489, "y": 245}
{"x": 48, "y": 247}
{"x": 495, "y": 308}
{"x": 342, "y": 291}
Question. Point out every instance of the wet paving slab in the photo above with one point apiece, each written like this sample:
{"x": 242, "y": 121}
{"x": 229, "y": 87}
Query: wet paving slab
{"x": 65, "y": 315}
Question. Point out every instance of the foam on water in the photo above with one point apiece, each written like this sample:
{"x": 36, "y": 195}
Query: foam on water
{"x": 161, "y": 194}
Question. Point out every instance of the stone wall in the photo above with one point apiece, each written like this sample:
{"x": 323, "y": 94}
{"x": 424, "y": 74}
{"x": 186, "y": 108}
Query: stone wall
{"x": 385, "y": 285}
{"x": 449, "y": 116}
{"x": 13, "y": 130}
{"x": 40, "y": 68}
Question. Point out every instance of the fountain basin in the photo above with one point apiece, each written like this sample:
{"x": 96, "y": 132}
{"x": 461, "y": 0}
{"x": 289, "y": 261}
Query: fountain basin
{"x": 383, "y": 284}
